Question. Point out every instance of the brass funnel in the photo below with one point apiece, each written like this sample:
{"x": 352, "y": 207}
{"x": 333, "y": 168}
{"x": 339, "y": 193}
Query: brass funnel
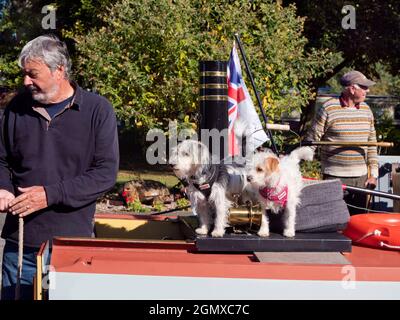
{"x": 246, "y": 216}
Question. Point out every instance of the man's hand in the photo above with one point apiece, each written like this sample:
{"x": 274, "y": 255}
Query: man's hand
{"x": 5, "y": 198}
{"x": 32, "y": 199}
{"x": 372, "y": 182}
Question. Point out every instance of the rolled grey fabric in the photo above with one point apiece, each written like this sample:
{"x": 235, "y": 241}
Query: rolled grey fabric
{"x": 322, "y": 208}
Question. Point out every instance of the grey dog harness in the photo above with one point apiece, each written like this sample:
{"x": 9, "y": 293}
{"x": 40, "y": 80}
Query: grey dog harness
{"x": 205, "y": 187}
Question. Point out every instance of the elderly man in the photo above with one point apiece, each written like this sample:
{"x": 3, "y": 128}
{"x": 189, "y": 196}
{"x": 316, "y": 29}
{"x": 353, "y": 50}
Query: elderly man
{"x": 58, "y": 154}
{"x": 348, "y": 119}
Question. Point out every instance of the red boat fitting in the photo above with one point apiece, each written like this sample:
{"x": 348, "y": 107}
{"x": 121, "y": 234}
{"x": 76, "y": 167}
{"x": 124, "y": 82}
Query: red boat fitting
{"x": 378, "y": 230}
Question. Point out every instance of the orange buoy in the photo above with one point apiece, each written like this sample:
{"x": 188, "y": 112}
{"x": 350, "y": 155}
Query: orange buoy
{"x": 378, "y": 230}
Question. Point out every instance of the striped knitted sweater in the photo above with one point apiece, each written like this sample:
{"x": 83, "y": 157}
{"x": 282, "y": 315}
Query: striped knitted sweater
{"x": 336, "y": 123}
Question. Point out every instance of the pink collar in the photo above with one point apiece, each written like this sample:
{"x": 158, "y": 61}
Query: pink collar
{"x": 271, "y": 194}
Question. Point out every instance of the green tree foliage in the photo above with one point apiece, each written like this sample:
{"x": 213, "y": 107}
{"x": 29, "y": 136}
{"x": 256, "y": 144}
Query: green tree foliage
{"x": 21, "y": 21}
{"x": 387, "y": 84}
{"x": 145, "y": 56}
{"x": 374, "y": 41}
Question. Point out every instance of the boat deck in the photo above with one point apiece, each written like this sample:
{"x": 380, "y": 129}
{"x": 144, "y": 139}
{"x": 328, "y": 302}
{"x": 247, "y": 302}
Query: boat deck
{"x": 100, "y": 268}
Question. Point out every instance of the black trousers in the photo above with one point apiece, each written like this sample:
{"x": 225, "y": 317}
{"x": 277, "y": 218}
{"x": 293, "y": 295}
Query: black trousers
{"x": 351, "y": 198}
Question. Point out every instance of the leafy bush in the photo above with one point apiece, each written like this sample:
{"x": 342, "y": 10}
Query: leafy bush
{"x": 145, "y": 57}
{"x": 182, "y": 202}
{"x": 311, "y": 169}
{"x": 137, "y": 206}
{"x": 158, "y": 206}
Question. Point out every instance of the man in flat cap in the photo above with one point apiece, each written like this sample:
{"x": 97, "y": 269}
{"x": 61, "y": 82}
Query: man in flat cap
{"x": 348, "y": 119}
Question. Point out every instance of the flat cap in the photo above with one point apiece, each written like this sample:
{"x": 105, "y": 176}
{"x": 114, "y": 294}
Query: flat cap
{"x": 355, "y": 77}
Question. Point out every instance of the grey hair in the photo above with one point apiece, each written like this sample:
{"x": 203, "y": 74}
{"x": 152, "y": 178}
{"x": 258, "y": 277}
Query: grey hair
{"x": 50, "y": 50}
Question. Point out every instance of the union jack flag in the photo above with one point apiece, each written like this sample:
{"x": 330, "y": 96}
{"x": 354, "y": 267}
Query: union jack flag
{"x": 241, "y": 105}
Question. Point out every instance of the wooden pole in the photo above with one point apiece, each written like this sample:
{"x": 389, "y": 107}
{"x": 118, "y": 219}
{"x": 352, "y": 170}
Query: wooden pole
{"x": 347, "y": 143}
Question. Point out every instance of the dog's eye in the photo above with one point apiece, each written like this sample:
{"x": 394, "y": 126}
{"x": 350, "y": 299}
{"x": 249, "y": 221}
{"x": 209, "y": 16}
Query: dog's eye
{"x": 186, "y": 154}
{"x": 258, "y": 169}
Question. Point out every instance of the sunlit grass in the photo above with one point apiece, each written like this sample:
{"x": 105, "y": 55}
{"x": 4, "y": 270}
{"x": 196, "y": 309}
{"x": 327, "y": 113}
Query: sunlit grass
{"x": 164, "y": 177}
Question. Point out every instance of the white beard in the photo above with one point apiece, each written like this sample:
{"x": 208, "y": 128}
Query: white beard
{"x": 44, "y": 97}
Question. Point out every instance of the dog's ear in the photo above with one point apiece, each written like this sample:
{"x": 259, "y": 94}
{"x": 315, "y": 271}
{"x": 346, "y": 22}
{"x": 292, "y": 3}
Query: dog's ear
{"x": 200, "y": 153}
{"x": 204, "y": 154}
{"x": 271, "y": 164}
{"x": 173, "y": 157}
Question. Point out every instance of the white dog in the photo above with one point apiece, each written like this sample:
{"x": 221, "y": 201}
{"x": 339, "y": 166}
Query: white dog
{"x": 278, "y": 183}
{"x": 210, "y": 187}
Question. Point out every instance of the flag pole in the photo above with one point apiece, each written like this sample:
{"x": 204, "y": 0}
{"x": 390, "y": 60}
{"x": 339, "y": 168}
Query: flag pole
{"x": 248, "y": 71}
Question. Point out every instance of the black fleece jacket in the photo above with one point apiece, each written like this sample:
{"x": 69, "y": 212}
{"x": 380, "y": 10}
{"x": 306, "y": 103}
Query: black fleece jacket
{"x": 74, "y": 156}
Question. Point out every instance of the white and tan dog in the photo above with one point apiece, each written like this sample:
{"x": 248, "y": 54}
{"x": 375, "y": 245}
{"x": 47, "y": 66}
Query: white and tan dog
{"x": 278, "y": 183}
{"x": 210, "y": 187}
